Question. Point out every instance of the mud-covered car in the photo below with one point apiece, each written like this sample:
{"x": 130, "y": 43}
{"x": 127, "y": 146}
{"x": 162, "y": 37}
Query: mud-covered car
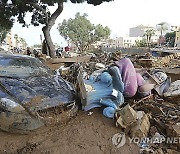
{"x": 32, "y": 95}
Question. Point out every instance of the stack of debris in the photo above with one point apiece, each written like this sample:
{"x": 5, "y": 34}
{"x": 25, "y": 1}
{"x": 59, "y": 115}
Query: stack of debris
{"x": 153, "y": 122}
{"x": 153, "y": 117}
{"x": 163, "y": 116}
{"x": 172, "y": 60}
{"x": 135, "y": 123}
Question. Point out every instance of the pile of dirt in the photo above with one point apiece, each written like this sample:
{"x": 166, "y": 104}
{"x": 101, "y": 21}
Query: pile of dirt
{"x": 84, "y": 133}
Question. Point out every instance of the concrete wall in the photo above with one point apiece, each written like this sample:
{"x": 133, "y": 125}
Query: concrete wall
{"x": 129, "y": 51}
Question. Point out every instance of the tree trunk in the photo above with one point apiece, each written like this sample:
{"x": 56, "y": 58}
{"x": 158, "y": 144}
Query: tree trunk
{"x": 47, "y": 28}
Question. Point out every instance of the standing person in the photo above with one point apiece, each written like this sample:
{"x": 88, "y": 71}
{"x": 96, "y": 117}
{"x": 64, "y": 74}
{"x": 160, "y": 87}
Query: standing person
{"x": 28, "y": 51}
{"x": 36, "y": 53}
{"x": 45, "y": 48}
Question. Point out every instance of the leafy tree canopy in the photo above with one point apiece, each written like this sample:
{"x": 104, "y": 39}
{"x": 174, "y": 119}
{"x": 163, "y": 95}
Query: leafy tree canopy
{"x": 162, "y": 27}
{"x": 9, "y": 9}
{"x": 81, "y": 32}
{"x": 141, "y": 43}
{"x": 170, "y": 38}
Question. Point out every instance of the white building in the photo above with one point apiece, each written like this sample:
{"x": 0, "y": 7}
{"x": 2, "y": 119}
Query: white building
{"x": 177, "y": 36}
{"x": 130, "y": 41}
{"x": 138, "y": 31}
{"x": 123, "y": 41}
{"x": 177, "y": 39}
{"x": 14, "y": 41}
{"x": 116, "y": 42}
{"x": 8, "y": 43}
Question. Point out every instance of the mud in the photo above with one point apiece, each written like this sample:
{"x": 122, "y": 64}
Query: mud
{"x": 82, "y": 134}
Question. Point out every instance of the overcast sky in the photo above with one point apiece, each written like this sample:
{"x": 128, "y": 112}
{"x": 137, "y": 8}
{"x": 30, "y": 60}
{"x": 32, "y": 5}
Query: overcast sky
{"x": 119, "y": 16}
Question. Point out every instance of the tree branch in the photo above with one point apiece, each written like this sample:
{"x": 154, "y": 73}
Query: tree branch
{"x": 36, "y": 6}
{"x": 55, "y": 14}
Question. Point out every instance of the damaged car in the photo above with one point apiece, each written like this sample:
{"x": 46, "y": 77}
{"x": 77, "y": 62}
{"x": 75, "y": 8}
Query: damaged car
{"x": 32, "y": 95}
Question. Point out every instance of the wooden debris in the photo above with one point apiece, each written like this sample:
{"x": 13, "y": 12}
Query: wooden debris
{"x": 71, "y": 60}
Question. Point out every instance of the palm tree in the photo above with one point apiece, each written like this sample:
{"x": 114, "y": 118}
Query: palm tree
{"x": 148, "y": 34}
{"x": 162, "y": 27}
{"x": 16, "y": 37}
{"x": 23, "y": 42}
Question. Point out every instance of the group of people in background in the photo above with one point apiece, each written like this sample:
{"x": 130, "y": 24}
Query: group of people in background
{"x": 35, "y": 52}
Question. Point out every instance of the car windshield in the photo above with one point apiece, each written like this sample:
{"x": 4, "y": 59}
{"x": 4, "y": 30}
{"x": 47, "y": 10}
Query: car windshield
{"x": 22, "y": 67}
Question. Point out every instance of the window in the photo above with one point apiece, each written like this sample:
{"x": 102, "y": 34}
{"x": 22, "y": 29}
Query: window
{"x": 177, "y": 38}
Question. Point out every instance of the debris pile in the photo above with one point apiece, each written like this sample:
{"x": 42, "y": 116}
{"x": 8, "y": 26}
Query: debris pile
{"x": 154, "y": 117}
{"x": 164, "y": 117}
{"x": 172, "y": 60}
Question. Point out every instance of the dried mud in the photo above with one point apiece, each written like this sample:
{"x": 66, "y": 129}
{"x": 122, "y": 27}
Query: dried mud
{"x": 82, "y": 134}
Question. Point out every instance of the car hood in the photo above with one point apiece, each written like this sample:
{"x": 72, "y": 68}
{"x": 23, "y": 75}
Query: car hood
{"x": 40, "y": 92}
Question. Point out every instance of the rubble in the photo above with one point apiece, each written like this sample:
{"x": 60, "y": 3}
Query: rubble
{"x": 159, "y": 151}
{"x": 174, "y": 131}
{"x": 142, "y": 127}
{"x": 173, "y": 93}
{"x": 170, "y": 151}
{"x": 99, "y": 66}
{"x": 149, "y": 61}
{"x": 126, "y": 116}
{"x": 141, "y": 117}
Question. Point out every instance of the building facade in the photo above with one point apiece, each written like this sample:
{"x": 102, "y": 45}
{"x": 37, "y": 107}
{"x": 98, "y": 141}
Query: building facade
{"x": 138, "y": 31}
{"x": 177, "y": 39}
{"x": 122, "y": 42}
{"x": 13, "y": 43}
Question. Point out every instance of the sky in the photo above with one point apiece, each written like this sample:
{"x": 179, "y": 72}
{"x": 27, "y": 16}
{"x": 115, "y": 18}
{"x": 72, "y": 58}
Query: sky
{"x": 118, "y": 15}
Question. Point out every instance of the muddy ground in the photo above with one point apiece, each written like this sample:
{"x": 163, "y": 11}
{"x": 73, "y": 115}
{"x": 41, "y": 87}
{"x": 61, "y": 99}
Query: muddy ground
{"x": 82, "y": 134}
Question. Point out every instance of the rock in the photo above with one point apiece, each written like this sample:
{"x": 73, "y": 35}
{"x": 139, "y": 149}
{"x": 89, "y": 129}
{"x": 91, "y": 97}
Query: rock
{"x": 142, "y": 127}
{"x": 126, "y": 116}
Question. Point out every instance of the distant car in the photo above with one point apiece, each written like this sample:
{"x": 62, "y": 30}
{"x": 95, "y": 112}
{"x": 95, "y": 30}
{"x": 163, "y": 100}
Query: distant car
{"x": 32, "y": 95}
